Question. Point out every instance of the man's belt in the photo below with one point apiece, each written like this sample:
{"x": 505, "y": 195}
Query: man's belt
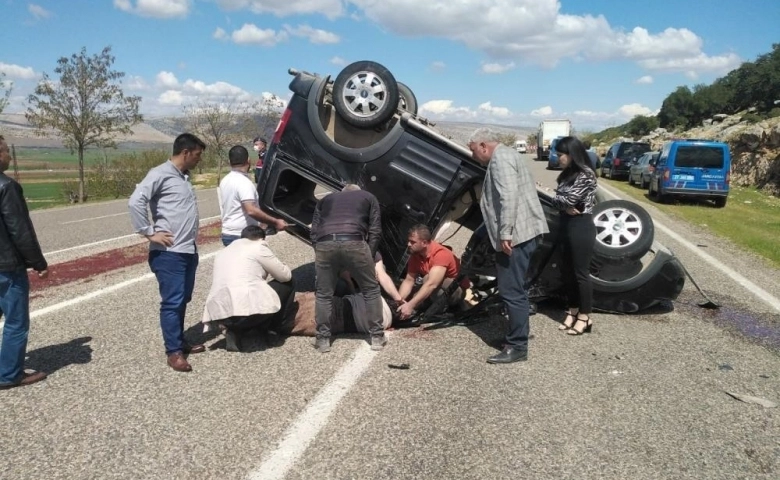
{"x": 341, "y": 237}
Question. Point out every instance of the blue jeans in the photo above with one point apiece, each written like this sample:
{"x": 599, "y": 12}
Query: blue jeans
{"x": 15, "y": 307}
{"x": 228, "y": 239}
{"x": 510, "y": 274}
{"x": 175, "y": 274}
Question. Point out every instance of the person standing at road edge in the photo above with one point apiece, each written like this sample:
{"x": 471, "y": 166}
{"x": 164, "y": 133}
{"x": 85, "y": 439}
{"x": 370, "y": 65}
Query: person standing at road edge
{"x": 515, "y": 221}
{"x": 19, "y": 250}
{"x": 173, "y": 256}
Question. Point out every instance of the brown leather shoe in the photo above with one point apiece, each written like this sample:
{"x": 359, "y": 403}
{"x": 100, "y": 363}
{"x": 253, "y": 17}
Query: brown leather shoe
{"x": 198, "y": 348}
{"x": 34, "y": 377}
{"x": 177, "y": 362}
{"x": 27, "y": 379}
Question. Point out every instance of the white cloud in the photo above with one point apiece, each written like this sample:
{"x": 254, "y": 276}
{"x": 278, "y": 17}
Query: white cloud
{"x": 17, "y": 72}
{"x": 166, "y": 80}
{"x": 645, "y": 80}
{"x": 633, "y": 109}
{"x": 442, "y": 108}
{"x": 250, "y": 34}
{"x": 438, "y": 66}
{"x": 315, "y": 35}
{"x": 155, "y": 8}
{"x": 500, "y": 112}
{"x": 542, "y": 112}
{"x": 219, "y": 34}
{"x": 328, "y": 8}
{"x": 38, "y": 11}
{"x": 137, "y": 83}
{"x": 338, "y": 61}
{"x": 494, "y": 68}
{"x": 537, "y": 32}
{"x": 171, "y": 98}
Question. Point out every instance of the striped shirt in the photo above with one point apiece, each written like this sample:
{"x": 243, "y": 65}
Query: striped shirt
{"x": 168, "y": 193}
{"x": 579, "y": 192}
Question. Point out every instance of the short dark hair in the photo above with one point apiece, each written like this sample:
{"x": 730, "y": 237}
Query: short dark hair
{"x": 253, "y": 232}
{"x": 238, "y": 155}
{"x": 421, "y": 231}
{"x": 260, "y": 139}
{"x": 187, "y": 141}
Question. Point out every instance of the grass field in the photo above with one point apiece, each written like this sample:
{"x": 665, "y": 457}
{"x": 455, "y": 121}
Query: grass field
{"x": 30, "y": 158}
{"x": 750, "y": 219}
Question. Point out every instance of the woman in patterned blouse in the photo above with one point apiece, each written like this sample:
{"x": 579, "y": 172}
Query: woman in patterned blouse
{"x": 574, "y": 197}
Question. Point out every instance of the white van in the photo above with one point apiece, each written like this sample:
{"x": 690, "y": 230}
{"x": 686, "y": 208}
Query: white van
{"x": 521, "y": 146}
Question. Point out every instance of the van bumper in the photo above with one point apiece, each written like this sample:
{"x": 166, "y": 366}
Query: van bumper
{"x": 692, "y": 192}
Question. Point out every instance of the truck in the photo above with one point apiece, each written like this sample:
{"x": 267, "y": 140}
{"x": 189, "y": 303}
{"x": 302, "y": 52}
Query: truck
{"x": 548, "y": 130}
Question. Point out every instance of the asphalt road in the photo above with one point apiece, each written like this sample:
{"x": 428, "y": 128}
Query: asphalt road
{"x": 641, "y": 397}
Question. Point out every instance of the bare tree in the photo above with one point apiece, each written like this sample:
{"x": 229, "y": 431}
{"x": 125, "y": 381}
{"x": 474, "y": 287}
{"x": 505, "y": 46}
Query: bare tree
{"x": 5, "y": 91}
{"x": 87, "y": 107}
{"x": 223, "y": 124}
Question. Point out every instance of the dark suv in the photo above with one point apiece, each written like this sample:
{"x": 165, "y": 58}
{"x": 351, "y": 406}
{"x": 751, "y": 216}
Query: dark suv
{"x": 620, "y": 157}
{"x": 362, "y": 128}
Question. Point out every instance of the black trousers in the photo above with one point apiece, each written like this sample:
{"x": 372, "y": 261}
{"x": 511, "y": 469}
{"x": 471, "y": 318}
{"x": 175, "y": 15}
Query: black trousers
{"x": 577, "y": 237}
{"x": 265, "y": 321}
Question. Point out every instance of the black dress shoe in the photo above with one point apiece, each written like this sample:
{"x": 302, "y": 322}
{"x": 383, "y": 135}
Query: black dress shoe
{"x": 509, "y": 355}
{"x": 188, "y": 349}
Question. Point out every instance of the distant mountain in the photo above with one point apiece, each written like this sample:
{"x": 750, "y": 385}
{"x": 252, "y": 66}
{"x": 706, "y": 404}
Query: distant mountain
{"x": 461, "y": 131}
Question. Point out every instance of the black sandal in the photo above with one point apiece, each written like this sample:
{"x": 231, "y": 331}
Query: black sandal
{"x": 566, "y": 325}
{"x": 586, "y": 329}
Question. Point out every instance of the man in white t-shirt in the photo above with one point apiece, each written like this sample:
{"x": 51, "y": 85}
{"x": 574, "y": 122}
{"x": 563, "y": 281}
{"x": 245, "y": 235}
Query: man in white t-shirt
{"x": 238, "y": 199}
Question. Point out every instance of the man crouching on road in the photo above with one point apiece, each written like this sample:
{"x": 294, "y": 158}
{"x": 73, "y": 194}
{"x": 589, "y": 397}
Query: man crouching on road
{"x": 436, "y": 265}
{"x": 251, "y": 288}
{"x": 345, "y": 231}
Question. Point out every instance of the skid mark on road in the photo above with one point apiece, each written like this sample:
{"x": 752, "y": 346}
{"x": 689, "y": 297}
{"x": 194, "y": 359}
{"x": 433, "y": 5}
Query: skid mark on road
{"x": 306, "y": 427}
{"x": 749, "y": 286}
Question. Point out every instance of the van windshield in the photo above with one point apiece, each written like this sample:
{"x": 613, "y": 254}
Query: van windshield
{"x": 698, "y": 156}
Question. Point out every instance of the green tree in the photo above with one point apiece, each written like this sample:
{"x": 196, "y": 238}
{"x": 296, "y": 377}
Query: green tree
{"x": 641, "y": 125}
{"x": 225, "y": 123}
{"x": 676, "y": 109}
{"x": 532, "y": 139}
{"x": 86, "y": 107}
{"x": 5, "y": 91}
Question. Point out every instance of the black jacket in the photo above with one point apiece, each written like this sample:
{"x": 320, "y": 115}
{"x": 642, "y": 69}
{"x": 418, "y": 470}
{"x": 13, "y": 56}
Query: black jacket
{"x": 19, "y": 247}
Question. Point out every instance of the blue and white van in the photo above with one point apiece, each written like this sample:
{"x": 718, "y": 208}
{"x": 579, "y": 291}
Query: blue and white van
{"x": 692, "y": 168}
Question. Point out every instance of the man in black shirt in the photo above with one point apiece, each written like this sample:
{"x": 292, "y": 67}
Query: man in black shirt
{"x": 345, "y": 231}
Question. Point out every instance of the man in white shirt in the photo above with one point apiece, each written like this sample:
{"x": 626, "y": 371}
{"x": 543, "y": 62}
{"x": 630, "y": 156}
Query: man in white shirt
{"x": 238, "y": 199}
{"x": 251, "y": 288}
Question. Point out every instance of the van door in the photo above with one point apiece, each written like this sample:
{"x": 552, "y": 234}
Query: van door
{"x": 699, "y": 167}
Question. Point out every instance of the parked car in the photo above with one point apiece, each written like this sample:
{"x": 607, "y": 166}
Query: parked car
{"x": 335, "y": 132}
{"x": 552, "y": 159}
{"x": 640, "y": 171}
{"x": 692, "y": 168}
{"x": 620, "y": 156}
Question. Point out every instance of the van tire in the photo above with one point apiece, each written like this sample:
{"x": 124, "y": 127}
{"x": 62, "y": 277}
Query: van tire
{"x": 720, "y": 202}
{"x": 406, "y": 99}
{"x": 624, "y": 231}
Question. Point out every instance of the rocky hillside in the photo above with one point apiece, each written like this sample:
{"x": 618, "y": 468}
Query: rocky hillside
{"x": 755, "y": 148}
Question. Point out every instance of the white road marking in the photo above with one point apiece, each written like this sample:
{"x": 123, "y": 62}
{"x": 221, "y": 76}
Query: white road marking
{"x": 750, "y": 286}
{"x": 306, "y": 427}
{"x": 87, "y": 245}
{"x": 94, "y": 218}
{"x": 96, "y": 293}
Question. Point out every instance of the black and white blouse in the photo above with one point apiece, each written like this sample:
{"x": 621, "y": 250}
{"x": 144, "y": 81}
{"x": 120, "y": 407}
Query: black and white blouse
{"x": 578, "y": 192}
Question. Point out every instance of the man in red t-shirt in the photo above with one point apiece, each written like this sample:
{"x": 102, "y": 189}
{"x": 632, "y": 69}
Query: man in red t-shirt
{"x": 435, "y": 264}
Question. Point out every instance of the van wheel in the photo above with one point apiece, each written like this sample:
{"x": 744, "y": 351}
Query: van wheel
{"x": 720, "y": 202}
{"x": 631, "y": 180}
{"x": 365, "y": 94}
{"x": 603, "y": 172}
{"x": 406, "y": 99}
{"x": 642, "y": 183}
{"x": 624, "y": 231}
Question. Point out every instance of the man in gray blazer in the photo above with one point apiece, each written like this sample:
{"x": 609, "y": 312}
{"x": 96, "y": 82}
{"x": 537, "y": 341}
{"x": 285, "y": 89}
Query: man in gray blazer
{"x": 514, "y": 221}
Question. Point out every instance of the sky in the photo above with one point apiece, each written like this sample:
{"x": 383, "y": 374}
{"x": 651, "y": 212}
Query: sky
{"x": 509, "y": 62}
